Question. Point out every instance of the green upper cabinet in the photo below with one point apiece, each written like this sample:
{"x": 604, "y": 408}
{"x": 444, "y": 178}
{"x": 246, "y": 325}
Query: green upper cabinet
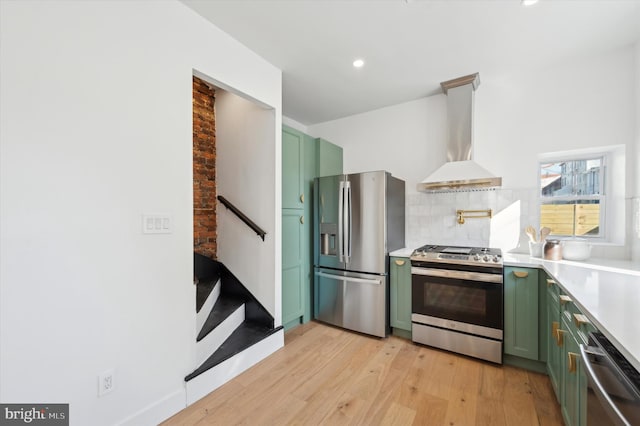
{"x": 400, "y": 293}
{"x": 521, "y": 312}
{"x": 328, "y": 157}
{"x": 292, "y": 168}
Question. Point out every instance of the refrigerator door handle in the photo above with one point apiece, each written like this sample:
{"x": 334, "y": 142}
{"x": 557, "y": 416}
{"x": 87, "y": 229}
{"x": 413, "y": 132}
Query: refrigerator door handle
{"x": 350, "y": 279}
{"x": 348, "y": 222}
{"x": 340, "y": 222}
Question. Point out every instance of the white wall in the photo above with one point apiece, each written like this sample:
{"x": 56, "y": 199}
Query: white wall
{"x": 581, "y": 103}
{"x": 635, "y": 227}
{"x": 636, "y": 193}
{"x": 406, "y": 139}
{"x": 244, "y": 143}
{"x": 584, "y": 102}
{"x": 96, "y": 129}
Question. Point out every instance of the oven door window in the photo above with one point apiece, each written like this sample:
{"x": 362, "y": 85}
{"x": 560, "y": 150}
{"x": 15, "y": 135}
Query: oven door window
{"x": 468, "y": 301}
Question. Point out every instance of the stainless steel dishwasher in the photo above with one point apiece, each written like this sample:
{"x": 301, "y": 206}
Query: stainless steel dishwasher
{"x": 613, "y": 384}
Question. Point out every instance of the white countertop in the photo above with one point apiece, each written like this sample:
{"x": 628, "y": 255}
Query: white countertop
{"x": 606, "y": 291}
{"x": 403, "y": 252}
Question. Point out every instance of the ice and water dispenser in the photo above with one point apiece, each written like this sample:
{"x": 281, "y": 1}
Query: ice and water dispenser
{"x": 328, "y": 237}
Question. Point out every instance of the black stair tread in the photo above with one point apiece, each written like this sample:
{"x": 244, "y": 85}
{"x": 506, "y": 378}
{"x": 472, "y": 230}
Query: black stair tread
{"x": 246, "y": 335}
{"x": 224, "y": 306}
{"x": 203, "y": 289}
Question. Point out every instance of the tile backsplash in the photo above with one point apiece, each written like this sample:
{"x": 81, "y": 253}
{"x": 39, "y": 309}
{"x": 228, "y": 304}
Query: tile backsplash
{"x": 431, "y": 219}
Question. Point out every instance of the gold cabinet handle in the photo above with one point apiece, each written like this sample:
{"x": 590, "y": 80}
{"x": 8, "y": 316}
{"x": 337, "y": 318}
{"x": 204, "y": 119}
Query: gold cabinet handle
{"x": 550, "y": 282}
{"x": 573, "y": 361}
{"x": 560, "y": 337}
{"x": 565, "y": 299}
{"x": 521, "y": 274}
{"x": 580, "y": 319}
{"x": 302, "y": 198}
{"x": 399, "y": 262}
{"x": 302, "y": 219}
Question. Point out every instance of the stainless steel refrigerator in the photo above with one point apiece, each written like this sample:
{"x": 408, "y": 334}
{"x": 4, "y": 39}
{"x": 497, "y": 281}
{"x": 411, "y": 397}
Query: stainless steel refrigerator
{"x": 358, "y": 220}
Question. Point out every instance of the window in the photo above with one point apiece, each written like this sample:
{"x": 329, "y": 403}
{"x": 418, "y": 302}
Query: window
{"x": 572, "y": 198}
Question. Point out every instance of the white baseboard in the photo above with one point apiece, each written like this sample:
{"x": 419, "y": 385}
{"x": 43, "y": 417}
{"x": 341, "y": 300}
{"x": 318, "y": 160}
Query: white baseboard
{"x": 158, "y": 411}
{"x": 204, "y": 312}
{"x": 217, "y": 336}
{"x": 212, "y": 379}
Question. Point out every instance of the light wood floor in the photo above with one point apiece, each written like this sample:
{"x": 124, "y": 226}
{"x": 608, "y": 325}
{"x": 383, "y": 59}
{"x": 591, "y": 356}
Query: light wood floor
{"x": 325, "y": 375}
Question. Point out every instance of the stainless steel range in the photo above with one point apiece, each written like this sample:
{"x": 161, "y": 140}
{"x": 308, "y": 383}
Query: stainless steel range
{"x": 457, "y": 300}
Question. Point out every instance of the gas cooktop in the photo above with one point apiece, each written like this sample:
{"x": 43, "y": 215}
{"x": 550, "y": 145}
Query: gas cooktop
{"x": 456, "y": 254}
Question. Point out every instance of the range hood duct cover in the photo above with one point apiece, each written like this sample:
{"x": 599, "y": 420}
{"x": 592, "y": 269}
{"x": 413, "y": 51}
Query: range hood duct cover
{"x": 460, "y": 173}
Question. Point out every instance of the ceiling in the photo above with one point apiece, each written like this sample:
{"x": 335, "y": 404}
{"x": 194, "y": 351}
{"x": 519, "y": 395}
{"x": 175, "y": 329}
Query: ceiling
{"x": 410, "y": 46}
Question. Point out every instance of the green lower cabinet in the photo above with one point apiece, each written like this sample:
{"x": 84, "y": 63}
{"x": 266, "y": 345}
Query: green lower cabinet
{"x": 400, "y": 293}
{"x": 568, "y": 329}
{"x": 543, "y": 324}
{"x": 521, "y": 315}
{"x": 575, "y": 394}
{"x": 544, "y": 327}
{"x": 582, "y": 393}
{"x": 293, "y": 273}
{"x": 554, "y": 349}
{"x": 570, "y": 402}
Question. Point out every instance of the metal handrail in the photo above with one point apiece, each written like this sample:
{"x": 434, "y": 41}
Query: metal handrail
{"x": 251, "y": 224}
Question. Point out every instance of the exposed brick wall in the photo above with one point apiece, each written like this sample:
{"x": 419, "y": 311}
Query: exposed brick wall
{"x": 204, "y": 170}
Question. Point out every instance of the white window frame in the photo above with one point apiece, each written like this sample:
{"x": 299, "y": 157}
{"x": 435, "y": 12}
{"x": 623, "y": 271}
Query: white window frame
{"x": 612, "y": 203}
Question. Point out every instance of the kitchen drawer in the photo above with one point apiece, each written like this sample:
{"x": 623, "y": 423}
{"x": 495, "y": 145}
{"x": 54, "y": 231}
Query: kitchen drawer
{"x": 578, "y": 324}
{"x": 553, "y": 290}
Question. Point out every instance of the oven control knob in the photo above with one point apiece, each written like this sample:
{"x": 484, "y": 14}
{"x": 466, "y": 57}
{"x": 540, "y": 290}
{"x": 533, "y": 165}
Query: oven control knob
{"x": 496, "y": 259}
{"x": 476, "y": 257}
{"x": 485, "y": 258}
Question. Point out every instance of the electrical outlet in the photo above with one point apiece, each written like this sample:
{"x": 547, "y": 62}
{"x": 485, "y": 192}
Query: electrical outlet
{"x": 106, "y": 382}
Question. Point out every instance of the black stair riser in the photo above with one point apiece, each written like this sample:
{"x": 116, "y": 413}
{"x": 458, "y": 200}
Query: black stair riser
{"x": 258, "y": 324}
{"x": 245, "y": 336}
{"x": 254, "y": 311}
{"x": 209, "y": 269}
{"x": 223, "y": 307}
{"x": 203, "y": 290}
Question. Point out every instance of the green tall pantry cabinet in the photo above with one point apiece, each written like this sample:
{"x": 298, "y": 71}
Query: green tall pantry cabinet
{"x": 303, "y": 159}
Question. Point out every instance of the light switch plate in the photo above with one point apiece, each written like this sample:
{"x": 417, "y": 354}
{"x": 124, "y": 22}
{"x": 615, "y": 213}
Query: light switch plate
{"x": 157, "y": 223}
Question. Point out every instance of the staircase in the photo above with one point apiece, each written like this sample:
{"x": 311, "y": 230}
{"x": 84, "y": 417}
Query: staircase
{"x": 234, "y": 330}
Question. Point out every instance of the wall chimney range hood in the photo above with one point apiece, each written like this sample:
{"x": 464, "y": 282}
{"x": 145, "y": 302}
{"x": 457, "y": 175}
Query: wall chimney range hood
{"x": 460, "y": 172}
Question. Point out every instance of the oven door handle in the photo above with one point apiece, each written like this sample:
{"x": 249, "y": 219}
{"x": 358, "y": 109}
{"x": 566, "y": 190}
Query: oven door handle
{"x": 597, "y": 387}
{"x": 462, "y": 275}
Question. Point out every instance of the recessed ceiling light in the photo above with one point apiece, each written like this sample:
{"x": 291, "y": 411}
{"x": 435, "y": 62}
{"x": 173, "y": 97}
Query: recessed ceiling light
{"x": 358, "y": 63}
{"x": 529, "y": 2}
